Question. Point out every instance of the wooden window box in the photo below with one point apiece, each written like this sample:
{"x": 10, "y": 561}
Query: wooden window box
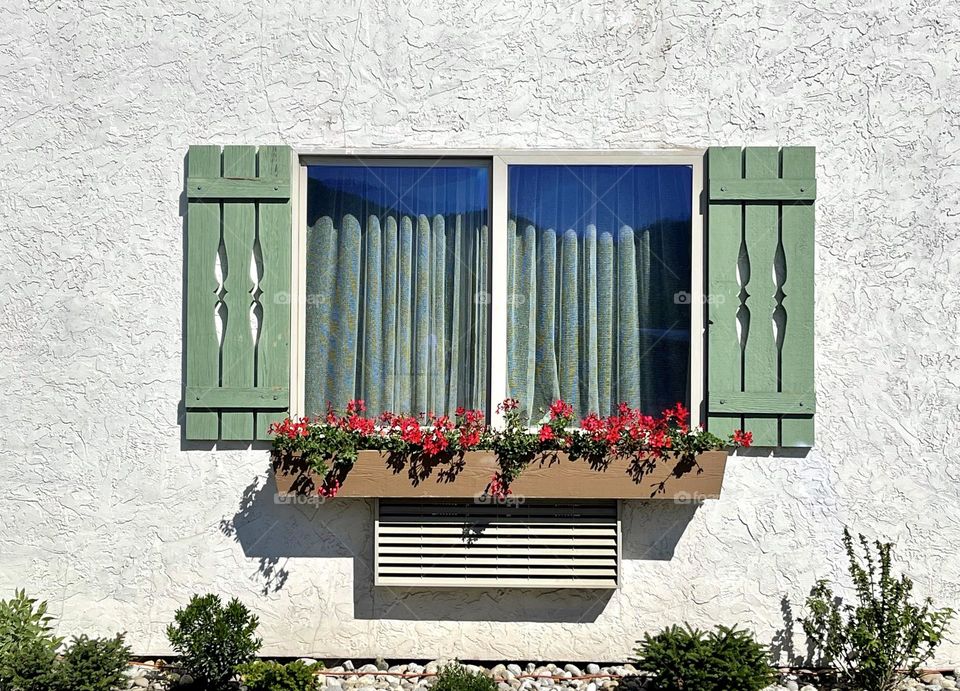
{"x": 550, "y": 476}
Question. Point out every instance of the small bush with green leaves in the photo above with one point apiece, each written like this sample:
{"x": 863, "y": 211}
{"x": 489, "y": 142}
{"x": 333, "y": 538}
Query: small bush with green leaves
{"x": 28, "y": 647}
{"x": 456, "y": 677}
{"x": 719, "y": 660}
{"x": 273, "y": 676}
{"x": 213, "y": 640}
{"x": 873, "y": 643}
{"x": 93, "y": 664}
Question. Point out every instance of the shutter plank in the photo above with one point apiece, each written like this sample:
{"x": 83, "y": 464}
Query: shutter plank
{"x": 763, "y": 189}
{"x": 723, "y": 247}
{"x": 239, "y": 229}
{"x": 273, "y": 351}
{"x": 203, "y": 240}
{"x": 797, "y": 364}
{"x": 761, "y": 232}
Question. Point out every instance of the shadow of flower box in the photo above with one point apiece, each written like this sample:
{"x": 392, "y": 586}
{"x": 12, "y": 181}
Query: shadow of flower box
{"x": 549, "y": 476}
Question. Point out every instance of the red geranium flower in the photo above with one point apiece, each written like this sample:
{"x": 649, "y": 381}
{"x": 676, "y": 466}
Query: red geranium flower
{"x": 741, "y": 438}
{"x": 561, "y": 409}
{"x": 498, "y": 488}
{"x": 508, "y": 404}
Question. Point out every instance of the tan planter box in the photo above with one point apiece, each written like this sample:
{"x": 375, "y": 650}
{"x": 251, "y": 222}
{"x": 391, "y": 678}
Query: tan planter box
{"x": 551, "y": 476}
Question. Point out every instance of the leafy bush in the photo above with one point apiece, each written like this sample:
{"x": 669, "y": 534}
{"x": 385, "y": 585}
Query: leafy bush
{"x": 213, "y": 640}
{"x": 456, "y": 677}
{"x": 30, "y": 667}
{"x": 28, "y": 647}
{"x": 273, "y": 676}
{"x": 93, "y": 664}
{"x": 867, "y": 643}
{"x": 719, "y": 660}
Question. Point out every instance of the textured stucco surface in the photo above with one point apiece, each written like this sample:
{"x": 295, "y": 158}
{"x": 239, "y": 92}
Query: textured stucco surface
{"x": 103, "y": 512}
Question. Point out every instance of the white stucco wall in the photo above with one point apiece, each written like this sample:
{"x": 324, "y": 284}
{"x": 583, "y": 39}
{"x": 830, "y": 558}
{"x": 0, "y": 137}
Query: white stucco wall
{"x": 104, "y": 513}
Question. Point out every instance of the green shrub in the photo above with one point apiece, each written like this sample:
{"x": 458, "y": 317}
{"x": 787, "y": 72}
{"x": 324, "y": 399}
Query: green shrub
{"x": 718, "y": 660}
{"x": 212, "y": 640}
{"x": 93, "y": 664}
{"x": 273, "y": 676}
{"x": 29, "y": 668}
{"x": 455, "y": 677}
{"x": 28, "y": 647}
{"x": 867, "y": 643}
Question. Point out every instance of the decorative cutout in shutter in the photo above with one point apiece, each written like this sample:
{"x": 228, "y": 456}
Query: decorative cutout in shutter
{"x": 760, "y": 245}
{"x": 239, "y": 228}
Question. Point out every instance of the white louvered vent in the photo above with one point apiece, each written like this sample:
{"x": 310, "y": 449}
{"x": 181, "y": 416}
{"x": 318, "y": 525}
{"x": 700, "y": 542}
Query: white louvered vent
{"x": 466, "y": 544}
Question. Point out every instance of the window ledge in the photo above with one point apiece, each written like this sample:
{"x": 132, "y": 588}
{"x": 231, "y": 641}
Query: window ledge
{"x": 550, "y": 476}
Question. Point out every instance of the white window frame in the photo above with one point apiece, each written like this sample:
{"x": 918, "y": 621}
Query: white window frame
{"x": 500, "y": 160}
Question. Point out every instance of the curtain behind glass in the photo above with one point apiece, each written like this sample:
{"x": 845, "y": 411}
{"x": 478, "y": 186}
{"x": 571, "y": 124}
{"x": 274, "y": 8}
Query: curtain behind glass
{"x": 396, "y": 264}
{"x": 599, "y": 286}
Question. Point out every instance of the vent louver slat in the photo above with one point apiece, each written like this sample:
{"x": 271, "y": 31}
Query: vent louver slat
{"x": 532, "y": 545}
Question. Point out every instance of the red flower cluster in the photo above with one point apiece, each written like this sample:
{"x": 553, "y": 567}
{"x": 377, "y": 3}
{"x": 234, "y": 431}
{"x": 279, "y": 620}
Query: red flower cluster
{"x": 407, "y": 426}
{"x": 472, "y": 425}
{"x": 436, "y": 434}
{"x": 561, "y": 409}
{"x": 554, "y": 433}
{"x": 329, "y": 489}
{"x": 741, "y": 438}
{"x": 498, "y": 488}
{"x": 290, "y": 428}
{"x": 435, "y": 440}
{"x": 630, "y": 432}
{"x": 353, "y": 420}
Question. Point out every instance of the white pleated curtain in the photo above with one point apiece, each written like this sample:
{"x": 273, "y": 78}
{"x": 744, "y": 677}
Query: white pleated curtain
{"x": 578, "y": 302}
{"x": 598, "y": 274}
{"x": 393, "y": 314}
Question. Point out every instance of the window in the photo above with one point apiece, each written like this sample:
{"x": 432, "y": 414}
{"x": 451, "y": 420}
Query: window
{"x": 437, "y": 283}
{"x": 396, "y": 283}
{"x": 599, "y": 286}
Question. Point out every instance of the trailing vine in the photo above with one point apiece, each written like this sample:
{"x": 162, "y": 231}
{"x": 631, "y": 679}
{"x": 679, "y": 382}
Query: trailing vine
{"x": 330, "y": 443}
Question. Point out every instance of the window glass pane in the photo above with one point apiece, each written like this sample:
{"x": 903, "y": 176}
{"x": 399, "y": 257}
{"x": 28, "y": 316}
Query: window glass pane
{"x": 396, "y": 276}
{"x": 599, "y": 286}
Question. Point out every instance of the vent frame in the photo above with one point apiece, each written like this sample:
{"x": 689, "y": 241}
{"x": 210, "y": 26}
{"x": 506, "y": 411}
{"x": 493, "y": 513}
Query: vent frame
{"x": 505, "y": 560}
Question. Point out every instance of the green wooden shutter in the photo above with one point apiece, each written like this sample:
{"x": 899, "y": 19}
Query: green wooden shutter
{"x": 760, "y": 245}
{"x": 238, "y": 210}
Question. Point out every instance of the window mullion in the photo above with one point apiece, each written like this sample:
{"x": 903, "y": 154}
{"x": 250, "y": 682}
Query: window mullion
{"x": 498, "y": 289}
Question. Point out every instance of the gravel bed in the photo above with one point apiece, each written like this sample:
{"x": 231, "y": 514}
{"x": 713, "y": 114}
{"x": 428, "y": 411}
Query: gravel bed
{"x": 510, "y": 677}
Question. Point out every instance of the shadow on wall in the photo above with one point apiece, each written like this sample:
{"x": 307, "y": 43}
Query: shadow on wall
{"x": 273, "y": 532}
